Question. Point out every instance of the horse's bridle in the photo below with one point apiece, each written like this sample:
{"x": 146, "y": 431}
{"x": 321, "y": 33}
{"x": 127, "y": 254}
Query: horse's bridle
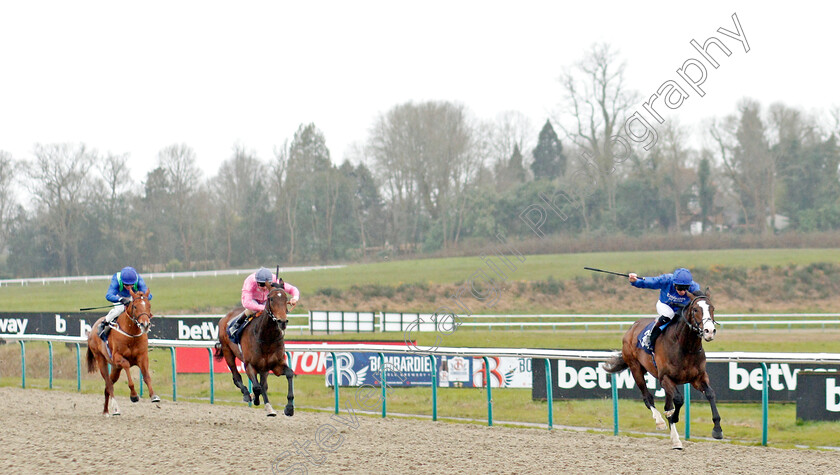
{"x": 697, "y": 328}
{"x": 280, "y": 323}
{"x": 134, "y": 319}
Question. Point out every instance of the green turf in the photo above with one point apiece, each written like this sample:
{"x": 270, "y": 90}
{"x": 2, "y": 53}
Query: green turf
{"x": 210, "y": 294}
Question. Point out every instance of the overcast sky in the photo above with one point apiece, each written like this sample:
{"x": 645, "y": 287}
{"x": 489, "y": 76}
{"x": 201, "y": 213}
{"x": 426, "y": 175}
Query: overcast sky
{"x": 135, "y": 77}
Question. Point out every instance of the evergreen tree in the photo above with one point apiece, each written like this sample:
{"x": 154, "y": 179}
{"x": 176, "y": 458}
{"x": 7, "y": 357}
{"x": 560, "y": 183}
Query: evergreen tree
{"x": 549, "y": 161}
{"x": 515, "y": 167}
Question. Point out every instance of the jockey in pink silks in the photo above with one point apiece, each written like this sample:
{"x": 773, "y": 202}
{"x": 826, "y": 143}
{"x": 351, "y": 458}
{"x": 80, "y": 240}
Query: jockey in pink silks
{"x": 255, "y": 291}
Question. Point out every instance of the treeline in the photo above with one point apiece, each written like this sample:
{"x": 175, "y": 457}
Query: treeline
{"x": 429, "y": 177}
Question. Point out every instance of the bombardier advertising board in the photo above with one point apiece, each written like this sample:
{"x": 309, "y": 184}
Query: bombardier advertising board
{"x": 732, "y": 382}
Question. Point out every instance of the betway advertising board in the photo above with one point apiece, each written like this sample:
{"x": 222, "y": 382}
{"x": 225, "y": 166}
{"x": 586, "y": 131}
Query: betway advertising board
{"x": 732, "y": 381}
{"x": 357, "y": 369}
{"x": 77, "y": 324}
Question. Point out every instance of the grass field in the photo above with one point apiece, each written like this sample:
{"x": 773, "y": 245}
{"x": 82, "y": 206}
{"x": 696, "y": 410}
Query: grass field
{"x": 184, "y": 295}
{"x": 741, "y": 422}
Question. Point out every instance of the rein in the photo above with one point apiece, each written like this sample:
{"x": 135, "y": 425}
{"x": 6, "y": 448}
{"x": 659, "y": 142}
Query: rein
{"x": 696, "y": 328}
{"x": 133, "y": 319}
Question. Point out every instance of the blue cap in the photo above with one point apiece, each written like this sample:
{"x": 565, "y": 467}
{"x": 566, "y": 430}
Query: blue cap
{"x": 263, "y": 275}
{"x": 682, "y": 276}
{"x": 128, "y": 276}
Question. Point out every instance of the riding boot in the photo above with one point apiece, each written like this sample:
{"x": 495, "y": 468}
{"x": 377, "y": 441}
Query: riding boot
{"x": 104, "y": 329}
{"x": 657, "y": 330}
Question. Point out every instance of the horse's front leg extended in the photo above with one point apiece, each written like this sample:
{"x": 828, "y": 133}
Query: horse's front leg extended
{"x": 123, "y": 364}
{"x": 143, "y": 364}
{"x": 672, "y": 414}
{"x": 113, "y": 378}
{"x": 264, "y": 385}
{"x": 717, "y": 432}
{"x": 290, "y": 396}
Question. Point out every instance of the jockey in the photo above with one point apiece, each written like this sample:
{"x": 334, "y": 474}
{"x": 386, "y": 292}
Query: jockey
{"x": 118, "y": 293}
{"x": 672, "y": 296}
{"x": 255, "y": 291}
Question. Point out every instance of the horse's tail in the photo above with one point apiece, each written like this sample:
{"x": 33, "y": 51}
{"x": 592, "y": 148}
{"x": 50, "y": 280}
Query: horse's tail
{"x": 218, "y": 351}
{"x": 615, "y": 364}
{"x": 91, "y": 362}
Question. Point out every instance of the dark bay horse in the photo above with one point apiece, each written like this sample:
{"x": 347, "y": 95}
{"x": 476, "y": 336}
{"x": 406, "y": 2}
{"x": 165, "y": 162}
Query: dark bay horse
{"x": 679, "y": 359}
{"x": 127, "y": 346}
{"x": 261, "y": 348}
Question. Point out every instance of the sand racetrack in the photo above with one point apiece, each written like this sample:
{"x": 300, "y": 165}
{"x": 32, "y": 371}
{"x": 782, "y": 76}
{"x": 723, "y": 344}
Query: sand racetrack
{"x": 61, "y": 432}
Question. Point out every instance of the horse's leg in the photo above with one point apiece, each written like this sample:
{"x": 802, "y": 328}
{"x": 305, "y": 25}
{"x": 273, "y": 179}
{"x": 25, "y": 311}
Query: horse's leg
{"x": 230, "y": 359}
{"x": 102, "y": 363}
{"x": 639, "y": 377}
{"x": 717, "y": 432}
{"x": 143, "y": 364}
{"x": 670, "y": 391}
{"x": 290, "y": 396}
{"x": 264, "y": 385}
{"x": 252, "y": 375}
{"x": 115, "y": 376}
{"x": 123, "y": 364}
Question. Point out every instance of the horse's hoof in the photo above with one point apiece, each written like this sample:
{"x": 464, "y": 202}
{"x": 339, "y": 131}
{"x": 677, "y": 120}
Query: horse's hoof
{"x": 717, "y": 433}
{"x": 661, "y": 426}
{"x": 289, "y": 411}
{"x": 676, "y": 448}
{"x": 246, "y": 398}
{"x": 155, "y": 398}
{"x": 256, "y": 401}
{"x": 135, "y": 398}
{"x": 115, "y": 414}
{"x": 270, "y": 412}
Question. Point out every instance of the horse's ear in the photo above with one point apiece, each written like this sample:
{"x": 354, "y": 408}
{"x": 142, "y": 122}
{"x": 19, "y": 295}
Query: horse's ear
{"x": 275, "y": 285}
{"x": 708, "y": 292}
{"x": 147, "y": 292}
{"x": 689, "y": 294}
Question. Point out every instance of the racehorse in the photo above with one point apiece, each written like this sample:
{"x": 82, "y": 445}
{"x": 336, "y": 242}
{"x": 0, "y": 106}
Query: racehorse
{"x": 679, "y": 359}
{"x": 126, "y": 346}
{"x": 261, "y": 348}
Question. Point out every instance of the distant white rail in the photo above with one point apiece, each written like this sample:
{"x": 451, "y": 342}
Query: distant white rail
{"x": 154, "y": 275}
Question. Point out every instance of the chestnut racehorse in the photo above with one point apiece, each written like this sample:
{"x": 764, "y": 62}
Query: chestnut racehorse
{"x": 127, "y": 346}
{"x": 679, "y": 359}
{"x": 261, "y": 348}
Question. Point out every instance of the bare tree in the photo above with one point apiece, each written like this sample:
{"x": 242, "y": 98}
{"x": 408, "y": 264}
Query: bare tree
{"x": 597, "y": 97}
{"x": 8, "y": 203}
{"x": 184, "y": 177}
{"x": 62, "y": 186}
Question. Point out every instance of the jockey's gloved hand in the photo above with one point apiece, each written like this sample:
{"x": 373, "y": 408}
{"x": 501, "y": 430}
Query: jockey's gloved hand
{"x": 125, "y": 300}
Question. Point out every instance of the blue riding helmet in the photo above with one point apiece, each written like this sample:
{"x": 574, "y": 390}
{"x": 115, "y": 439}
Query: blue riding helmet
{"x": 263, "y": 275}
{"x": 128, "y": 276}
{"x": 682, "y": 276}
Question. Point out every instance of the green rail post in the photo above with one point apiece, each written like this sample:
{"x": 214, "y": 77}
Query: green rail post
{"x": 50, "y": 347}
{"x": 489, "y": 396}
{"x": 140, "y": 378}
{"x": 687, "y": 391}
{"x": 174, "y": 384}
{"x": 384, "y": 385}
{"x": 212, "y": 386}
{"x": 615, "y": 402}
{"x": 549, "y": 393}
{"x": 335, "y": 379}
{"x": 434, "y": 386}
{"x": 764, "y": 398}
{"x": 78, "y": 368}
{"x": 22, "y": 364}
{"x": 250, "y": 390}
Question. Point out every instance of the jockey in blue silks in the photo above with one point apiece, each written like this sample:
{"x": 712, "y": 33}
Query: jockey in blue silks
{"x": 118, "y": 293}
{"x": 673, "y": 289}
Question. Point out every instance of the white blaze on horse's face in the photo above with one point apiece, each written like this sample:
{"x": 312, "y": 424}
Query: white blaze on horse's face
{"x": 708, "y": 324}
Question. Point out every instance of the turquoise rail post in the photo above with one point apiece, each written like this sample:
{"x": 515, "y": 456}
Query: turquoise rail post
{"x": 250, "y": 390}
{"x": 434, "y": 386}
{"x": 764, "y": 398}
{"x": 22, "y": 364}
{"x": 289, "y": 364}
{"x": 141, "y": 381}
{"x": 383, "y": 382}
{"x": 50, "y": 347}
{"x": 78, "y": 368}
{"x": 549, "y": 393}
{"x": 212, "y": 386}
{"x": 615, "y": 402}
{"x": 335, "y": 379}
{"x": 488, "y": 384}
{"x": 174, "y": 383}
{"x": 687, "y": 391}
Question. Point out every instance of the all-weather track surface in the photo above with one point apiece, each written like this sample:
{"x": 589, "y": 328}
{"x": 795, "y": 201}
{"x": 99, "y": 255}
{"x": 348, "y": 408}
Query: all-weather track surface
{"x": 63, "y": 432}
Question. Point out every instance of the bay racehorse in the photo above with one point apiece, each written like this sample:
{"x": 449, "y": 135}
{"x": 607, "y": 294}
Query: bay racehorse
{"x": 127, "y": 345}
{"x": 261, "y": 348}
{"x": 678, "y": 359}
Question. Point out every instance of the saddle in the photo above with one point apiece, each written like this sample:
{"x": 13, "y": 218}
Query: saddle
{"x": 236, "y": 326}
